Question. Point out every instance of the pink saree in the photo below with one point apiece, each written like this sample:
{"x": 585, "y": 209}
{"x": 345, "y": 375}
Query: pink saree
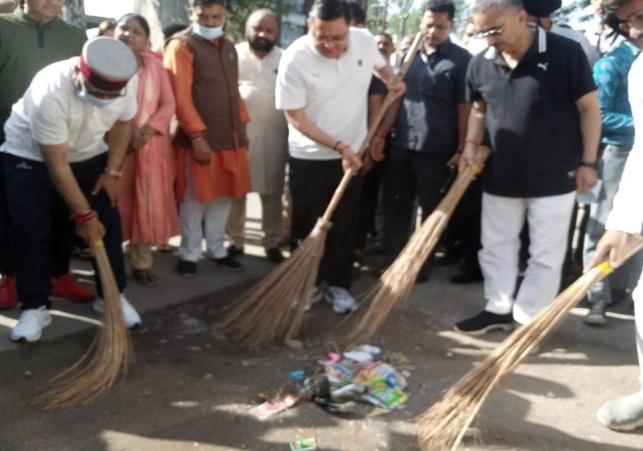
{"x": 147, "y": 203}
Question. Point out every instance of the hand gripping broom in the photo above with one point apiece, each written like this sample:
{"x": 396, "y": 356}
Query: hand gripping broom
{"x": 444, "y": 425}
{"x": 398, "y": 280}
{"x": 275, "y": 308}
{"x": 108, "y": 357}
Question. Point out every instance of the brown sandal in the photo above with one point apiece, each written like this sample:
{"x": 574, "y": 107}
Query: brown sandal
{"x": 145, "y": 277}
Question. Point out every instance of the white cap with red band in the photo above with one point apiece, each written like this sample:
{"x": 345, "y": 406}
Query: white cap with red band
{"x": 107, "y": 64}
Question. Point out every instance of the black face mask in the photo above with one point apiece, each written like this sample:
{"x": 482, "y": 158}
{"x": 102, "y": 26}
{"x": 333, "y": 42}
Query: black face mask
{"x": 261, "y": 44}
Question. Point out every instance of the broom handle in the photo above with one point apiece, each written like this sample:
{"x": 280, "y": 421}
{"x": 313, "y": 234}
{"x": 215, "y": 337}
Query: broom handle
{"x": 108, "y": 281}
{"x": 379, "y": 117}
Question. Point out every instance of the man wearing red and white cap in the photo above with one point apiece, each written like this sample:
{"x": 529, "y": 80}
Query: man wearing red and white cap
{"x": 57, "y": 157}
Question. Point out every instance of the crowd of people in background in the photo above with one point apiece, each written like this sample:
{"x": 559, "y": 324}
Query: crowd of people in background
{"x": 108, "y": 142}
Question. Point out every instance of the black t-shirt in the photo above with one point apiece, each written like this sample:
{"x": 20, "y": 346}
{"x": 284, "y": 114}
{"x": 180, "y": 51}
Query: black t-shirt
{"x": 532, "y": 120}
{"x": 435, "y": 86}
{"x": 377, "y": 87}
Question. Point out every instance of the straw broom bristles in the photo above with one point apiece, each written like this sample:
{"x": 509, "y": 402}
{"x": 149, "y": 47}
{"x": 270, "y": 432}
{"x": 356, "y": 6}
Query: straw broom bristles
{"x": 275, "y": 309}
{"x": 444, "y": 425}
{"x": 398, "y": 280}
{"x": 108, "y": 357}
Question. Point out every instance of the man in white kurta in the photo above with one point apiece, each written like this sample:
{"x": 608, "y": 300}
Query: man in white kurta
{"x": 267, "y": 133}
{"x": 626, "y": 218}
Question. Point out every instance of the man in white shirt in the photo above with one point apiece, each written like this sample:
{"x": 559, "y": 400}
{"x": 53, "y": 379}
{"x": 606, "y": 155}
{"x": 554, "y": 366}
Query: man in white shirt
{"x": 322, "y": 87}
{"x": 267, "y": 133}
{"x": 626, "y": 217}
{"x": 601, "y": 35}
{"x": 57, "y": 158}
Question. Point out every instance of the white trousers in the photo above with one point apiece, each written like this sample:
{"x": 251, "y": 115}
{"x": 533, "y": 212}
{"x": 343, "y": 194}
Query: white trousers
{"x": 197, "y": 217}
{"x": 548, "y": 219}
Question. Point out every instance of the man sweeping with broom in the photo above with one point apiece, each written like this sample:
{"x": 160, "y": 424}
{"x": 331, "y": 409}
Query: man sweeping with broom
{"x": 626, "y": 217}
{"x": 322, "y": 87}
{"x": 57, "y": 157}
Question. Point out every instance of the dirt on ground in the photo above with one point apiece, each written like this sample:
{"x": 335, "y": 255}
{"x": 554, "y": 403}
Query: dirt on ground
{"x": 191, "y": 387}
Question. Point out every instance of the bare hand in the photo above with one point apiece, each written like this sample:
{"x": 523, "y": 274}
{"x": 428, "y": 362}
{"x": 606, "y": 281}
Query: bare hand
{"x": 467, "y": 158}
{"x": 376, "y": 150}
{"x": 111, "y": 185}
{"x": 349, "y": 159}
{"x": 609, "y": 248}
{"x": 138, "y": 140}
{"x": 396, "y": 88}
{"x": 367, "y": 163}
{"x": 202, "y": 152}
{"x": 91, "y": 232}
{"x": 585, "y": 179}
{"x": 455, "y": 159}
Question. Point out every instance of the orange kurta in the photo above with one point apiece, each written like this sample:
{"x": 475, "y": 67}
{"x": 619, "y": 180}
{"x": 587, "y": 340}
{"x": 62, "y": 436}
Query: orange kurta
{"x": 228, "y": 173}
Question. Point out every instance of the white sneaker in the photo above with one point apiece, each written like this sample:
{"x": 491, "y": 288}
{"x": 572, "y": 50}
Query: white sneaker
{"x": 31, "y": 324}
{"x": 341, "y": 299}
{"x": 131, "y": 316}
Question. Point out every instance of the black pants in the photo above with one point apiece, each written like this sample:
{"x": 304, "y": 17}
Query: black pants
{"x": 60, "y": 255}
{"x": 410, "y": 174}
{"x": 38, "y": 213}
{"x": 312, "y": 185}
{"x": 368, "y": 203}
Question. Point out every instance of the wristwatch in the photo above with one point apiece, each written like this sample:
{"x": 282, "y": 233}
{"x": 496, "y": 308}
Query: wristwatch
{"x": 589, "y": 165}
{"x": 113, "y": 173}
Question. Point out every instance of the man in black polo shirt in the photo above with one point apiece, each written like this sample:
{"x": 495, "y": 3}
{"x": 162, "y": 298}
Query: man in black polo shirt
{"x": 535, "y": 93}
{"x": 430, "y": 123}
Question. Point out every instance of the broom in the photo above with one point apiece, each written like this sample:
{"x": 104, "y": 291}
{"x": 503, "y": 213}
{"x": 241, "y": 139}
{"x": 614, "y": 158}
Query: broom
{"x": 444, "y": 425}
{"x": 108, "y": 357}
{"x": 275, "y": 308}
{"x": 398, "y": 280}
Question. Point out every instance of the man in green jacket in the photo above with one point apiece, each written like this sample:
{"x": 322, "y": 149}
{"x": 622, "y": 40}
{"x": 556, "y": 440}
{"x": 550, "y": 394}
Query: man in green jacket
{"x": 32, "y": 38}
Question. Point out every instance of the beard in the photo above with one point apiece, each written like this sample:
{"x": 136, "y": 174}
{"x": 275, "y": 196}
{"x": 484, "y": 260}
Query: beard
{"x": 260, "y": 44}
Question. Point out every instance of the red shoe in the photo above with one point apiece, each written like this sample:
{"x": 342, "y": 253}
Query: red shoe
{"x": 66, "y": 287}
{"x": 7, "y": 292}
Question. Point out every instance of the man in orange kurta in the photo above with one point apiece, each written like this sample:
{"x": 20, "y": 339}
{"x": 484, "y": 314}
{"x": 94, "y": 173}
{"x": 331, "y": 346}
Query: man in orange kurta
{"x": 211, "y": 155}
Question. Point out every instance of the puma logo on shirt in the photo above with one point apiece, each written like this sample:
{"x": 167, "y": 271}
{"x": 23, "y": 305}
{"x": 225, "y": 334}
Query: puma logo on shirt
{"x": 543, "y": 66}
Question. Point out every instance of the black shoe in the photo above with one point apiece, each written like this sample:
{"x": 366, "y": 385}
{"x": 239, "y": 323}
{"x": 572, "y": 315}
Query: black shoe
{"x": 233, "y": 250}
{"x": 464, "y": 277}
{"x": 485, "y": 322}
{"x": 274, "y": 255}
{"x": 227, "y": 262}
{"x": 186, "y": 268}
{"x": 596, "y": 315}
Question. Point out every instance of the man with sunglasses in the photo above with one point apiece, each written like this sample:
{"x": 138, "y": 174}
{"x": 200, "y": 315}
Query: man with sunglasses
{"x": 626, "y": 217}
{"x": 534, "y": 96}
{"x": 65, "y": 144}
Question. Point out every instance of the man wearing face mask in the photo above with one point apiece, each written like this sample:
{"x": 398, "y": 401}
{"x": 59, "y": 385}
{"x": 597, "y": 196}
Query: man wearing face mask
{"x": 211, "y": 157}
{"x": 31, "y": 38}
{"x": 267, "y": 133}
{"x": 58, "y": 162}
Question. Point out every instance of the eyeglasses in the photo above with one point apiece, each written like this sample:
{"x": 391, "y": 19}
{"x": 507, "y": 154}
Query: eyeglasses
{"x": 331, "y": 39}
{"x": 492, "y": 33}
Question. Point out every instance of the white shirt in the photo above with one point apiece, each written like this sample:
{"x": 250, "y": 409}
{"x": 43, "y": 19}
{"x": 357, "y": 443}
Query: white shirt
{"x": 334, "y": 92}
{"x": 51, "y": 113}
{"x": 627, "y": 212}
{"x": 267, "y": 130}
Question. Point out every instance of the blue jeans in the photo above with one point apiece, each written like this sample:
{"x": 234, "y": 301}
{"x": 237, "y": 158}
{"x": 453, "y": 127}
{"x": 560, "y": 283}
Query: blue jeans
{"x": 610, "y": 170}
{"x": 33, "y": 202}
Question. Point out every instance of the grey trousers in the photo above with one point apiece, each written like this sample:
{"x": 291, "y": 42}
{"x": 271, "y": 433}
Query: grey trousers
{"x": 271, "y": 219}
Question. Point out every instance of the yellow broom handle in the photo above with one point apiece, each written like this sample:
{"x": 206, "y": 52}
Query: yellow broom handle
{"x": 388, "y": 100}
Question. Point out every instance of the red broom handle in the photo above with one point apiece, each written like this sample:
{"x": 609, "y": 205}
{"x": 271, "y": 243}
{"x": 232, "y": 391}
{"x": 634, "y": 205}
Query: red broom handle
{"x": 381, "y": 112}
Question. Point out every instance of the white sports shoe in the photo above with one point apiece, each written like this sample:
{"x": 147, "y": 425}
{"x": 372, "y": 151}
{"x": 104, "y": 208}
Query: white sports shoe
{"x": 341, "y": 299}
{"x": 31, "y": 324}
{"x": 131, "y": 316}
